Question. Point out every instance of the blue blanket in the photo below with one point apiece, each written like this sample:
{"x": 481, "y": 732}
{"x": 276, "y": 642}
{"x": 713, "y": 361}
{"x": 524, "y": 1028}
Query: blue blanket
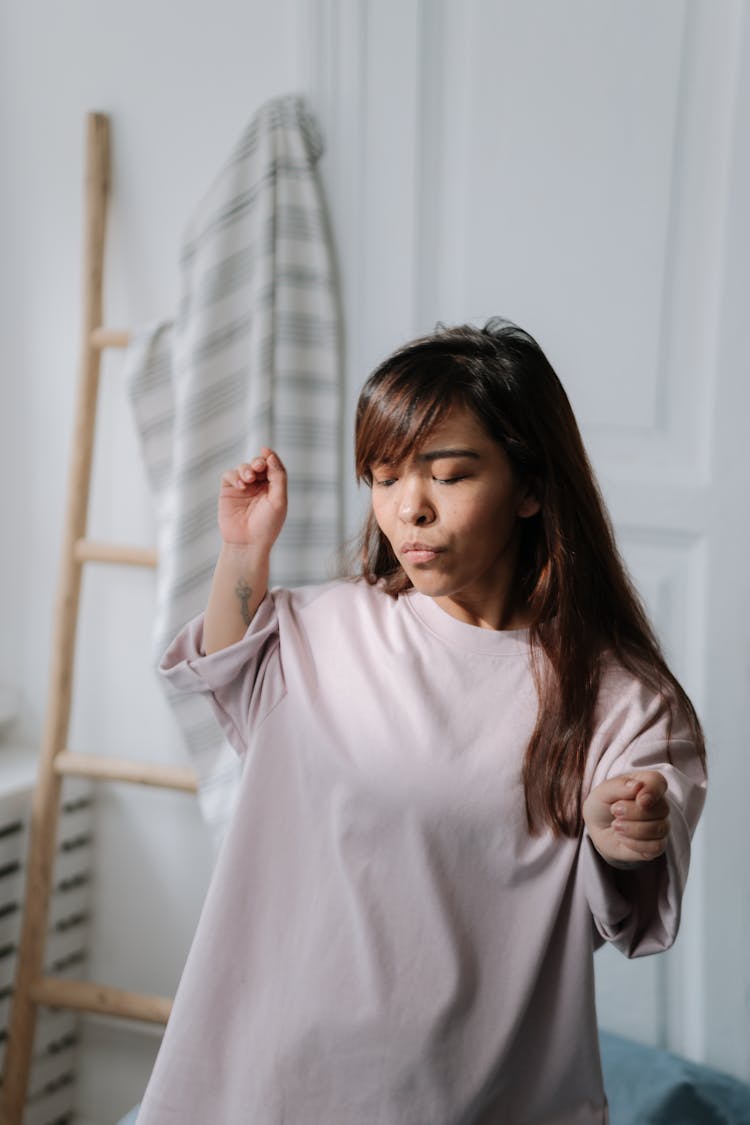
{"x": 648, "y": 1086}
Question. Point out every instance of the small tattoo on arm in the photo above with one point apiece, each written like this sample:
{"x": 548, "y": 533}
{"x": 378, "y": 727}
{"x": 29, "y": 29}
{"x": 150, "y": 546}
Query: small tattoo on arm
{"x": 244, "y": 593}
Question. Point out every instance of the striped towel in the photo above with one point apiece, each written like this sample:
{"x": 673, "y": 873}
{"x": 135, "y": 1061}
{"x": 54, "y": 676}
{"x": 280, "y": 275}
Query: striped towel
{"x": 251, "y": 359}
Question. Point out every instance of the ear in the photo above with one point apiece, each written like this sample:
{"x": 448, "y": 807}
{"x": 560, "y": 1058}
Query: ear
{"x": 528, "y": 504}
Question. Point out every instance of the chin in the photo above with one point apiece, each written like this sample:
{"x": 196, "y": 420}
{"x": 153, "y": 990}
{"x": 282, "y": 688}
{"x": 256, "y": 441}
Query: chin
{"x": 431, "y": 585}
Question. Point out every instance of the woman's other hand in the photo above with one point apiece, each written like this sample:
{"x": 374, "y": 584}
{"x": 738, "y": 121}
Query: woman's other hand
{"x": 627, "y": 817}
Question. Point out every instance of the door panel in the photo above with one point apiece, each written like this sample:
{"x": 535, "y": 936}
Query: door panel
{"x": 583, "y": 168}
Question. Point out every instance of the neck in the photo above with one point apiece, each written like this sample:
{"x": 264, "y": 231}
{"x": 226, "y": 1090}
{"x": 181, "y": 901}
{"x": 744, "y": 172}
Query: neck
{"x": 501, "y": 612}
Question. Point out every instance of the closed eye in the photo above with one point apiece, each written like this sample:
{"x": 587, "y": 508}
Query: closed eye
{"x": 448, "y": 480}
{"x": 384, "y": 483}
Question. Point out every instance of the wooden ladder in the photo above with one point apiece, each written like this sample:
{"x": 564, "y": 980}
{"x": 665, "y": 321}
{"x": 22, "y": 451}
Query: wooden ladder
{"x": 32, "y": 988}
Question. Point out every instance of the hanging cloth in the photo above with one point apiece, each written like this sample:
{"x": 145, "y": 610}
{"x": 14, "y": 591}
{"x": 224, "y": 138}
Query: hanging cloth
{"x": 251, "y": 359}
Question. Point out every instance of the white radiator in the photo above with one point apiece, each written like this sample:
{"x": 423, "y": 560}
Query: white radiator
{"x": 51, "y": 1090}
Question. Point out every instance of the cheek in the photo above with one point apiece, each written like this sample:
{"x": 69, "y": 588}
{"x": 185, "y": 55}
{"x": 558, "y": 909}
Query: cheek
{"x": 493, "y": 520}
{"x": 379, "y": 512}
{"x": 488, "y": 512}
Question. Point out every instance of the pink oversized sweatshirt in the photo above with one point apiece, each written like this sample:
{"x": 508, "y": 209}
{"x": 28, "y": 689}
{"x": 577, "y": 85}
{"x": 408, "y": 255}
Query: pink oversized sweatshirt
{"x": 383, "y": 942}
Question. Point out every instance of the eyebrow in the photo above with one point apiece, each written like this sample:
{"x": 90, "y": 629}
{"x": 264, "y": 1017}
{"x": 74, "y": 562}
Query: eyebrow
{"x": 439, "y": 454}
{"x": 429, "y": 456}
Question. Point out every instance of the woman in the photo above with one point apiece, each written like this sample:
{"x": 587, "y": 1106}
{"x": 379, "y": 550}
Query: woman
{"x": 465, "y": 769}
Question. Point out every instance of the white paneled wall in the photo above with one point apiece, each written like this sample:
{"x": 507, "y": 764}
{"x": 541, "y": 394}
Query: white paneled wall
{"x": 582, "y": 168}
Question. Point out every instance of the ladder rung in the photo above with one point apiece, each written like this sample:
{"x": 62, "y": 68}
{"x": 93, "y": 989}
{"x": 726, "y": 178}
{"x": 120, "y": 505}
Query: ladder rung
{"x": 85, "y": 996}
{"x": 87, "y": 550}
{"x": 103, "y": 768}
{"x": 109, "y": 338}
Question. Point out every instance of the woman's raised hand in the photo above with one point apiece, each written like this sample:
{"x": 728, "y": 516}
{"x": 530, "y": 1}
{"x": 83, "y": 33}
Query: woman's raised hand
{"x": 252, "y": 509}
{"x": 253, "y": 502}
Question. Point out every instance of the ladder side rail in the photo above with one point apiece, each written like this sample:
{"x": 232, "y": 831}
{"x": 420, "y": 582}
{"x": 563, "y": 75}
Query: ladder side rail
{"x": 46, "y": 798}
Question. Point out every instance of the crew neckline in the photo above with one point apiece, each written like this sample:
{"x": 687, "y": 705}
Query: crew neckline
{"x": 472, "y": 638}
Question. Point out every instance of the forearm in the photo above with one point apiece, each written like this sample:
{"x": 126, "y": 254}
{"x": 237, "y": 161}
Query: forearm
{"x": 239, "y": 585}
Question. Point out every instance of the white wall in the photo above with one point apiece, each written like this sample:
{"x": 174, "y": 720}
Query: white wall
{"x": 422, "y": 103}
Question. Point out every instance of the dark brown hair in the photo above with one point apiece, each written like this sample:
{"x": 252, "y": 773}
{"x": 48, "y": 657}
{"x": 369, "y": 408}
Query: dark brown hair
{"x": 570, "y": 576}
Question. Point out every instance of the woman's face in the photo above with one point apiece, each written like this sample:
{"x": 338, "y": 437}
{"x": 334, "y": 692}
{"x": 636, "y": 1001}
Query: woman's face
{"x": 451, "y": 512}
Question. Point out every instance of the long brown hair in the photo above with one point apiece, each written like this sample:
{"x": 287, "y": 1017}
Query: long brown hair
{"x": 571, "y": 578}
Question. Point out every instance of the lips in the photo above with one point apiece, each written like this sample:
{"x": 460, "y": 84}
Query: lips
{"x": 419, "y": 552}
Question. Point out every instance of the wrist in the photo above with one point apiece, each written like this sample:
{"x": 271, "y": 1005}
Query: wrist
{"x": 244, "y": 555}
{"x": 619, "y": 864}
{"x": 239, "y": 585}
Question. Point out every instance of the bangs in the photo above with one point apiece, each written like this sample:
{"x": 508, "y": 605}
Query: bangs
{"x": 398, "y": 409}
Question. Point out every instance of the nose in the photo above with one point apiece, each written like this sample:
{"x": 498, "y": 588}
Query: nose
{"x": 415, "y": 507}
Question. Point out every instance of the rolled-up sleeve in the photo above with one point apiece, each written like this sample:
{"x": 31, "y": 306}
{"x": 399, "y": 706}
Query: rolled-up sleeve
{"x": 638, "y": 909}
{"x": 243, "y": 682}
